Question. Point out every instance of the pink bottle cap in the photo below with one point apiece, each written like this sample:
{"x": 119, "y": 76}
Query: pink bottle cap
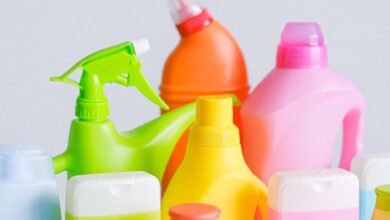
{"x": 194, "y": 211}
{"x": 302, "y": 46}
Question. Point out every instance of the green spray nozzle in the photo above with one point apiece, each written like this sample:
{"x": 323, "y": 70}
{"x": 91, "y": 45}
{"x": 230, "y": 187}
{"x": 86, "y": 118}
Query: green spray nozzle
{"x": 116, "y": 64}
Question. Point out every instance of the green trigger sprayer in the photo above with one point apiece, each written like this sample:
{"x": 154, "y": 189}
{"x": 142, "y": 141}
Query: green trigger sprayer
{"x": 94, "y": 145}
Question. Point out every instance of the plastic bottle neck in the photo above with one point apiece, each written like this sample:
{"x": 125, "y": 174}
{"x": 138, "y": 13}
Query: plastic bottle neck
{"x": 92, "y": 104}
{"x": 302, "y": 46}
{"x": 90, "y": 110}
{"x": 383, "y": 198}
{"x": 298, "y": 57}
{"x": 214, "y": 123}
{"x": 195, "y": 24}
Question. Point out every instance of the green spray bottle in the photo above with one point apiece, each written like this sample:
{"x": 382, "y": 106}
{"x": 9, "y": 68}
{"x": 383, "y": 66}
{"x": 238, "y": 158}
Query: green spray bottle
{"x": 94, "y": 145}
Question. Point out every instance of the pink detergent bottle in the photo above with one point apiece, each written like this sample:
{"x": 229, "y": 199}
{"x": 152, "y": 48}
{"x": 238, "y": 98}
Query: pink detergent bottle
{"x": 291, "y": 120}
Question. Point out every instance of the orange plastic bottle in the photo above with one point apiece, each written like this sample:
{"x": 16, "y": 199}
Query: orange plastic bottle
{"x": 206, "y": 61}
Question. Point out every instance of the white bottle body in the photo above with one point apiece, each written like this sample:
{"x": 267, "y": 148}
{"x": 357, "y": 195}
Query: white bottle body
{"x": 30, "y": 202}
{"x": 28, "y": 188}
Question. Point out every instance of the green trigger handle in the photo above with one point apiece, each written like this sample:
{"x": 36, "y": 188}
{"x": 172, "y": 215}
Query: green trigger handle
{"x": 116, "y": 64}
{"x": 95, "y": 56}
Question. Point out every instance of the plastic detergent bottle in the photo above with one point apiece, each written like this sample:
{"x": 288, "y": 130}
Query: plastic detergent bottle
{"x": 94, "y": 145}
{"x": 213, "y": 170}
{"x": 113, "y": 196}
{"x": 206, "y": 61}
{"x": 309, "y": 195}
{"x": 373, "y": 171}
{"x": 194, "y": 211}
{"x": 28, "y": 189}
{"x": 291, "y": 119}
{"x": 382, "y": 208}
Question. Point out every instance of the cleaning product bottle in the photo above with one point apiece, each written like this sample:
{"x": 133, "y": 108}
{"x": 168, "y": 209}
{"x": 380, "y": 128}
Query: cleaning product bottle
{"x": 28, "y": 189}
{"x": 291, "y": 119}
{"x": 206, "y": 61}
{"x": 194, "y": 211}
{"x": 213, "y": 170}
{"x": 373, "y": 171}
{"x": 308, "y": 195}
{"x": 94, "y": 145}
{"x": 382, "y": 208}
{"x": 115, "y": 196}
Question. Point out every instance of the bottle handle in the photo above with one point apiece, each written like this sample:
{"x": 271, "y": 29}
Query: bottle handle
{"x": 353, "y": 126}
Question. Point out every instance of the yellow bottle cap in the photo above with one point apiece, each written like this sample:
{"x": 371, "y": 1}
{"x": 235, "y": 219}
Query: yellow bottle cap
{"x": 383, "y": 198}
{"x": 214, "y": 122}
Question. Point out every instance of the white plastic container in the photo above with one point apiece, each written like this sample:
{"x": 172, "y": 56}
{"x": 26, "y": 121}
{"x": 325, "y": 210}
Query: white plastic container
{"x": 308, "y": 195}
{"x": 28, "y": 189}
{"x": 114, "y": 196}
{"x": 373, "y": 170}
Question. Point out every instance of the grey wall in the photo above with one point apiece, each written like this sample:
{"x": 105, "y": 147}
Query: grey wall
{"x": 43, "y": 38}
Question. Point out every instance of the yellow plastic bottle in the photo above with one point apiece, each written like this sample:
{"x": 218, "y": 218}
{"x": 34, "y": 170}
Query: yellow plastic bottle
{"x": 213, "y": 170}
{"x": 382, "y": 207}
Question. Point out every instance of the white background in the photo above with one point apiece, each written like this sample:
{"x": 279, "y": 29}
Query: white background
{"x": 43, "y": 38}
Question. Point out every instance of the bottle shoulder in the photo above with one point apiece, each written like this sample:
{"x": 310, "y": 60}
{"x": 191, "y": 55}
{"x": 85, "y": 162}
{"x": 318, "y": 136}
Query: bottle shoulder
{"x": 303, "y": 81}
{"x": 216, "y": 176}
{"x": 214, "y": 36}
{"x": 281, "y": 87}
{"x": 211, "y": 54}
{"x": 210, "y": 49}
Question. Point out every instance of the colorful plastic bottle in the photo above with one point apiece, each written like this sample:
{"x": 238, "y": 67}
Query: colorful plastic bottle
{"x": 213, "y": 170}
{"x": 194, "y": 211}
{"x": 382, "y": 208}
{"x": 28, "y": 189}
{"x": 291, "y": 119}
{"x": 373, "y": 170}
{"x": 94, "y": 144}
{"x": 206, "y": 61}
{"x": 113, "y": 196}
{"x": 309, "y": 195}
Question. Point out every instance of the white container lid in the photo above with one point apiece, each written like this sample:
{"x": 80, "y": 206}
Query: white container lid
{"x": 313, "y": 191}
{"x": 25, "y": 164}
{"x": 372, "y": 169}
{"x": 111, "y": 194}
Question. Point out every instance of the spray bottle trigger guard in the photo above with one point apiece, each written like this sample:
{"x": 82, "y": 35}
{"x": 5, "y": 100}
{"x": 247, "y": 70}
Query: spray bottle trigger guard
{"x": 65, "y": 80}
